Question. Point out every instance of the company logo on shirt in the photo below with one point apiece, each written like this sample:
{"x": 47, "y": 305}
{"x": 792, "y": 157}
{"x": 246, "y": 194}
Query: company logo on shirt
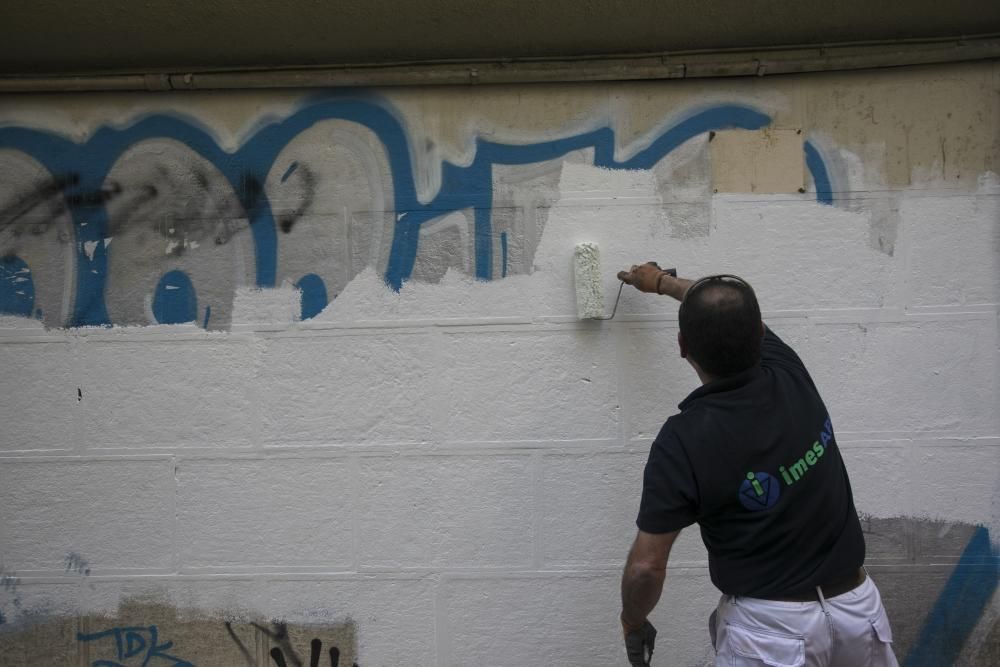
{"x": 760, "y": 491}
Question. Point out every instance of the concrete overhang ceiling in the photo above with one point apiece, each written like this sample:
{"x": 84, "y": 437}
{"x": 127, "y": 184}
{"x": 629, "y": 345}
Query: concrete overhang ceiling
{"x": 49, "y": 37}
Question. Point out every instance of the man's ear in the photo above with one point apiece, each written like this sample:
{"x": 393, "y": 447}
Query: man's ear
{"x": 680, "y": 344}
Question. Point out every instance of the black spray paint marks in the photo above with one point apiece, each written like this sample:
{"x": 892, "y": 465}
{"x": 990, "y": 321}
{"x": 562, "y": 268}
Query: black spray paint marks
{"x": 283, "y": 654}
{"x": 334, "y": 654}
{"x": 75, "y": 562}
{"x": 201, "y": 209}
{"x": 94, "y": 198}
{"x": 305, "y": 181}
{"x": 41, "y": 194}
{"x": 315, "y": 650}
{"x": 226, "y": 229}
{"x": 236, "y": 640}
{"x": 280, "y": 636}
{"x": 182, "y": 206}
{"x": 137, "y": 198}
{"x": 250, "y": 193}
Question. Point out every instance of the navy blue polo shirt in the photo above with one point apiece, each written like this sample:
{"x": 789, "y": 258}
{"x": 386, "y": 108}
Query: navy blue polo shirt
{"x": 752, "y": 459}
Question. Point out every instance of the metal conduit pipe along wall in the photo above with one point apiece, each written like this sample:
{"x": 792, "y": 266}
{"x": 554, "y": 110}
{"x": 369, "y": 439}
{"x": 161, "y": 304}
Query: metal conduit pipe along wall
{"x": 700, "y": 64}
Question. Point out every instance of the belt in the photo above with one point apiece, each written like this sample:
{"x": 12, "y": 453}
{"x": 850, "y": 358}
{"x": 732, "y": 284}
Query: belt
{"x": 830, "y": 590}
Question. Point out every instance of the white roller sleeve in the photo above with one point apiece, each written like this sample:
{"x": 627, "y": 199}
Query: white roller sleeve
{"x": 589, "y": 287}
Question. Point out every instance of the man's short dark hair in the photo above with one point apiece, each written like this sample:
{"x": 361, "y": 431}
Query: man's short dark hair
{"x": 720, "y": 322}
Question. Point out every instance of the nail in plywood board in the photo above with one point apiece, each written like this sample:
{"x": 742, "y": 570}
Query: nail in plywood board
{"x": 764, "y": 161}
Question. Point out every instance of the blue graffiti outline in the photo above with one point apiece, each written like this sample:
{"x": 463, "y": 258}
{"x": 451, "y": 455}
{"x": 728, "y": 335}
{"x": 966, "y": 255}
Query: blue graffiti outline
{"x": 503, "y": 254}
{"x": 820, "y": 174}
{"x": 959, "y": 605}
{"x": 462, "y": 187}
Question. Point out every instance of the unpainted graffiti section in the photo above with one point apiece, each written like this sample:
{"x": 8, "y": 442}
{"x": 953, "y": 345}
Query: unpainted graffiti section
{"x": 938, "y": 581}
{"x": 154, "y": 222}
{"x": 8, "y": 593}
{"x": 145, "y": 632}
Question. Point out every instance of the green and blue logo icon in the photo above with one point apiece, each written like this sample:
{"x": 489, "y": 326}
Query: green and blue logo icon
{"x": 759, "y": 491}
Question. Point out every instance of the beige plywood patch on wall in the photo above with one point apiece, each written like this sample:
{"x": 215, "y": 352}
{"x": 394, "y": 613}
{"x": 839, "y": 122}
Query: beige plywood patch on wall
{"x": 762, "y": 161}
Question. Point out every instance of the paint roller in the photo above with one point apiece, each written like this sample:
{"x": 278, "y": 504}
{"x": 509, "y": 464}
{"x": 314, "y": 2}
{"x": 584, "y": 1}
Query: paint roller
{"x": 590, "y": 286}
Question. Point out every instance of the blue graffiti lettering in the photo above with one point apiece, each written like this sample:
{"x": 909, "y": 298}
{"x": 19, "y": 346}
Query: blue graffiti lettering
{"x": 17, "y": 289}
{"x": 133, "y": 642}
{"x": 81, "y": 170}
{"x": 174, "y": 300}
{"x": 314, "y": 297}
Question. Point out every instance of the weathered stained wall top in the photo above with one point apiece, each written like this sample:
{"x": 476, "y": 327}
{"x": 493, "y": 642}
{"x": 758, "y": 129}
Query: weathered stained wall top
{"x": 56, "y": 36}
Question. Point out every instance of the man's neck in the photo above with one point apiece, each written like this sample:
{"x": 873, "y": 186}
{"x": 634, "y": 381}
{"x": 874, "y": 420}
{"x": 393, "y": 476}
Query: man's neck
{"x": 702, "y": 375}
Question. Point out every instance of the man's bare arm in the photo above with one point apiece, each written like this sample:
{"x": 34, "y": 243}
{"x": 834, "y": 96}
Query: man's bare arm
{"x": 651, "y": 278}
{"x": 642, "y": 580}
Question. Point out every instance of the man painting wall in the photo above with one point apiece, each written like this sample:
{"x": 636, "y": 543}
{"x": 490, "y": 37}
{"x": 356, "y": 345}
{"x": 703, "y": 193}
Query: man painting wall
{"x": 752, "y": 459}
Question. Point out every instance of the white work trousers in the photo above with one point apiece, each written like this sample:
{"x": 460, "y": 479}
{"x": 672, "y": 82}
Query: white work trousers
{"x": 850, "y": 630}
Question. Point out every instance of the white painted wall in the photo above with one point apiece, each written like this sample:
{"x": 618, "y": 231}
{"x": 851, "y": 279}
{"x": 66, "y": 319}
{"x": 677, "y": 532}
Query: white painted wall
{"x": 456, "y": 467}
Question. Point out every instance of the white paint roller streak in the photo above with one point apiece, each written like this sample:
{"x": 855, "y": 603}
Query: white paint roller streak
{"x": 587, "y": 275}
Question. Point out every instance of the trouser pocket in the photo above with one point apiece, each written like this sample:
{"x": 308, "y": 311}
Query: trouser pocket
{"x": 745, "y": 646}
{"x": 882, "y": 654}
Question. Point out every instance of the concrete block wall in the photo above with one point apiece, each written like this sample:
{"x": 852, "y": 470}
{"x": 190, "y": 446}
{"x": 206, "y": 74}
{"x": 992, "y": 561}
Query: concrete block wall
{"x": 281, "y": 368}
